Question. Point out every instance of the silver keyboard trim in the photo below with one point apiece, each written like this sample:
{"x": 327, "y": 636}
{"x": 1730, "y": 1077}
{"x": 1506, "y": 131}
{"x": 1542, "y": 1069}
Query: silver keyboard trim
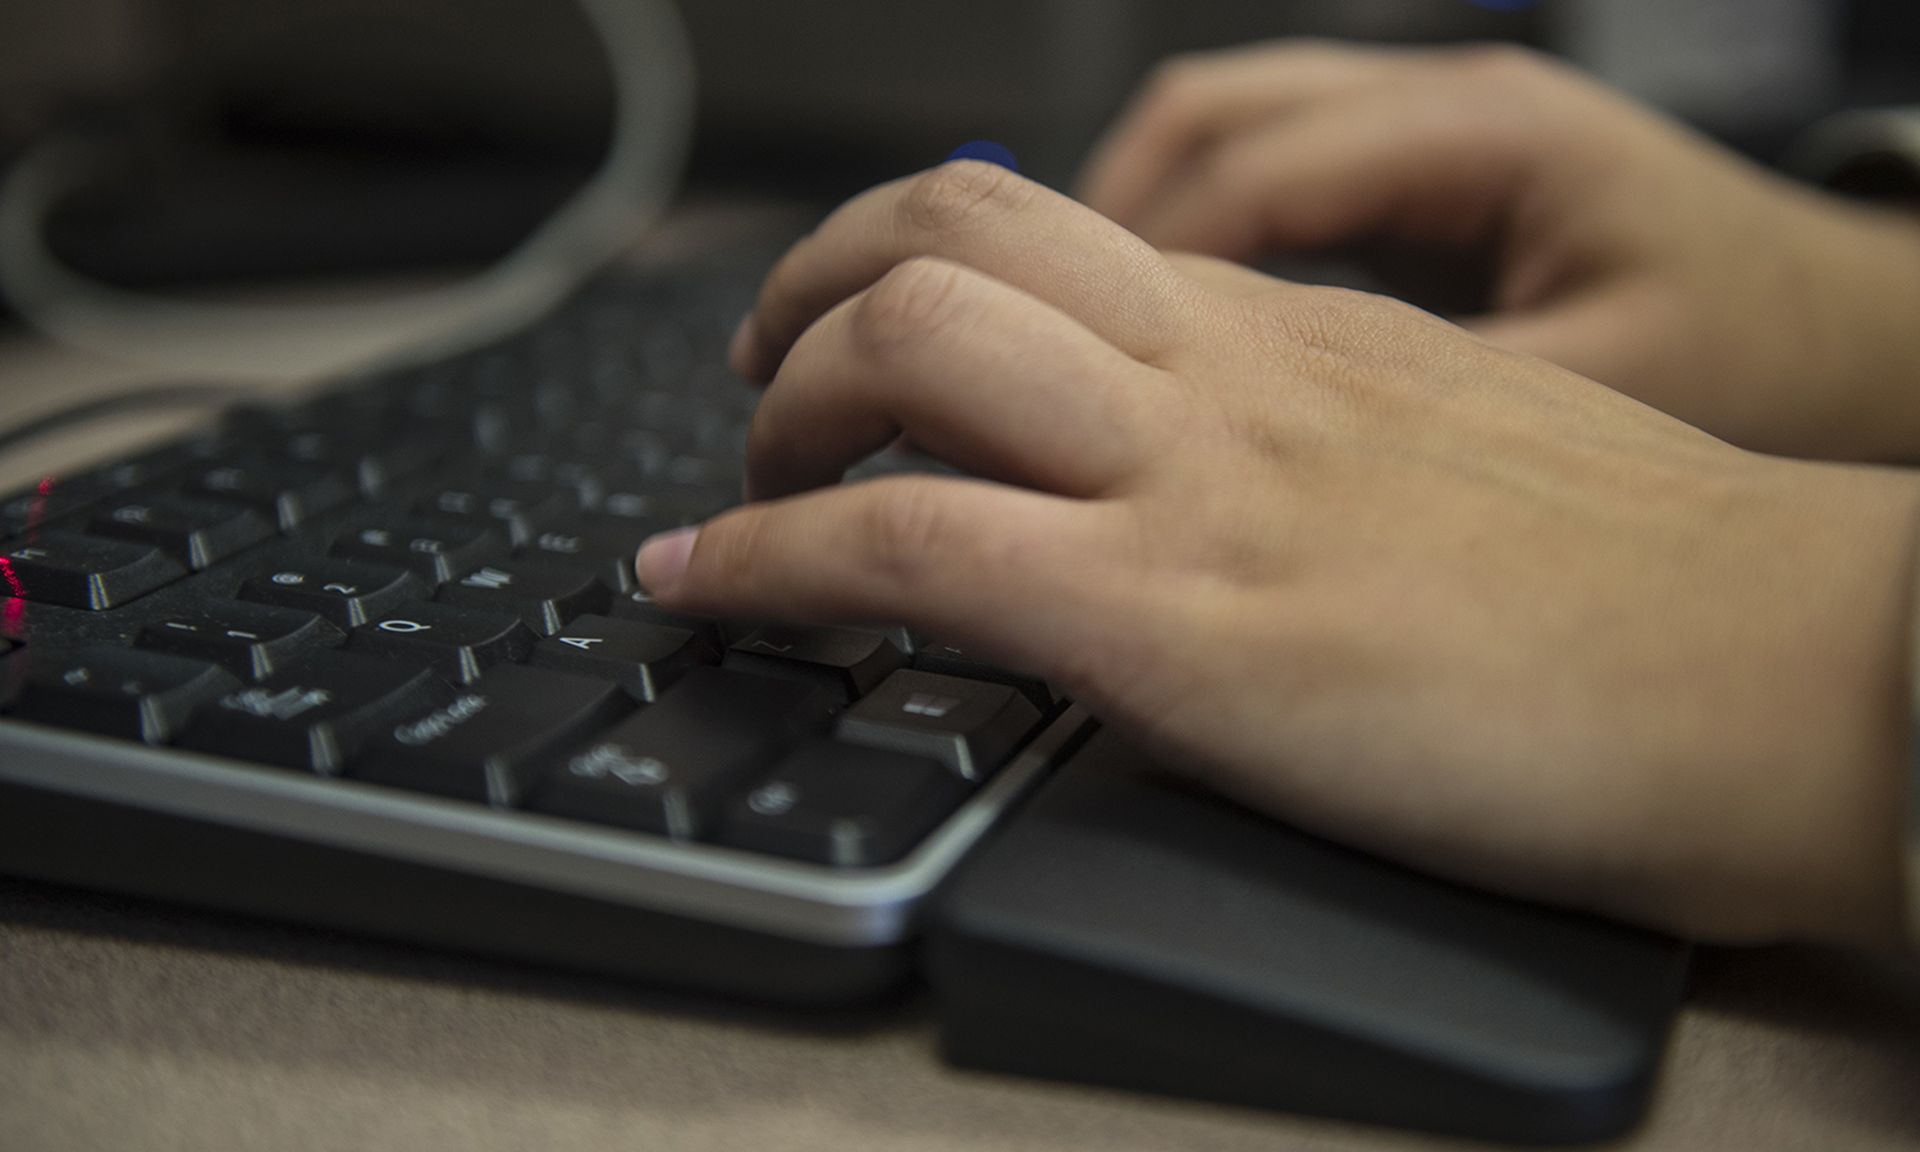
{"x": 808, "y": 902}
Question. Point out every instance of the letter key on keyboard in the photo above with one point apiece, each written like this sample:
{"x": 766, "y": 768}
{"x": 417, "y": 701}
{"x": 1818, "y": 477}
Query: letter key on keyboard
{"x": 458, "y": 643}
{"x": 84, "y": 571}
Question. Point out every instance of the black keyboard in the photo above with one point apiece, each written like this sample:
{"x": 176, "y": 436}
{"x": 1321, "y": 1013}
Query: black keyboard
{"x": 376, "y": 659}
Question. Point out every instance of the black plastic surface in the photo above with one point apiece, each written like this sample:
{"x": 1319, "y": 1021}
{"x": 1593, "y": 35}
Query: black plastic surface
{"x": 51, "y": 836}
{"x": 1125, "y": 930}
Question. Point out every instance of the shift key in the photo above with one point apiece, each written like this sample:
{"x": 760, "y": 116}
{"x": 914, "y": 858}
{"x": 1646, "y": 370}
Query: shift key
{"x": 673, "y": 768}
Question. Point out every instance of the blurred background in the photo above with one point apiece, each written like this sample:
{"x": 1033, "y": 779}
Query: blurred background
{"x": 294, "y": 138}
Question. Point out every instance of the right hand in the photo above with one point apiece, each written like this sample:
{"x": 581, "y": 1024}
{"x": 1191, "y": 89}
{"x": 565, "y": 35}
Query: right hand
{"x": 1624, "y": 246}
{"x": 1336, "y": 558}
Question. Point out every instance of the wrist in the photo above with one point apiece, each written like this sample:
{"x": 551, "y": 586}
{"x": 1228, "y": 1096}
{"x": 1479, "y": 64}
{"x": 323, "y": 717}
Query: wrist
{"x": 1840, "y": 788}
{"x": 1871, "y": 351}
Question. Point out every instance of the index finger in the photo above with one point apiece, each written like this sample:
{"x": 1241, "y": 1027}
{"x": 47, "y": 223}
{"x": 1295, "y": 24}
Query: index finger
{"x": 1190, "y": 102}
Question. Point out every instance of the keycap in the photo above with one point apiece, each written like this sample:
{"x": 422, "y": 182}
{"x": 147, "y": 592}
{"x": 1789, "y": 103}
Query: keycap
{"x": 347, "y": 593}
{"x": 637, "y": 605}
{"x": 580, "y": 478}
{"x": 289, "y": 494}
{"x": 645, "y": 659}
{"x": 435, "y": 551}
{"x": 605, "y": 548}
{"x": 671, "y": 769}
{"x": 481, "y": 746}
{"x": 314, "y": 714}
{"x": 851, "y": 807}
{"x": 849, "y": 661}
{"x": 458, "y": 643}
{"x": 521, "y": 510}
{"x": 147, "y": 468}
{"x": 544, "y": 598}
{"x": 199, "y": 533}
{"x": 949, "y": 660}
{"x": 374, "y": 465}
{"x": 119, "y": 692}
{"x": 648, "y": 510}
{"x": 85, "y": 572}
{"x": 969, "y": 725}
{"x": 51, "y": 504}
{"x": 250, "y": 640}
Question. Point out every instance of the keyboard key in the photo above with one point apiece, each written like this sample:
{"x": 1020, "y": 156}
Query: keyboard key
{"x": 346, "y": 593}
{"x": 850, "y": 807}
{"x": 968, "y": 725}
{"x": 551, "y": 471}
{"x": 637, "y": 605}
{"x": 289, "y": 494}
{"x": 521, "y": 510}
{"x": 374, "y": 466}
{"x": 83, "y": 571}
{"x": 119, "y": 692}
{"x": 199, "y": 533}
{"x": 48, "y": 505}
{"x": 948, "y": 660}
{"x": 458, "y": 643}
{"x": 605, "y": 548}
{"x": 647, "y": 511}
{"x": 434, "y": 551}
{"x": 848, "y": 661}
{"x": 481, "y": 745}
{"x": 316, "y": 714}
{"x": 545, "y": 598}
{"x": 147, "y": 468}
{"x": 673, "y": 768}
{"x": 645, "y": 659}
{"x": 251, "y": 640}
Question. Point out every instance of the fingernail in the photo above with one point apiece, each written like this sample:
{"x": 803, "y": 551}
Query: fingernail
{"x": 663, "y": 559}
{"x": 741, "y": 349}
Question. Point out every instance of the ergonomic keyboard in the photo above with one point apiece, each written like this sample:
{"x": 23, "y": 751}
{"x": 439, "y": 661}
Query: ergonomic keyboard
{"x": 374, "y": 659}
{"x": 398, "y": 621}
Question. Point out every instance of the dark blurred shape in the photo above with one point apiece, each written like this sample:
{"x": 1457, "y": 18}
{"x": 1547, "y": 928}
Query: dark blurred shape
{"x": 301, "y": 137}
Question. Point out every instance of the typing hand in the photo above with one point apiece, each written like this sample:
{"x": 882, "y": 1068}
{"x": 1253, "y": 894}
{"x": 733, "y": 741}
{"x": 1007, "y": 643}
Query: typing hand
{"x": 1337, "y": 557}
{"x": 1624, "y": 247}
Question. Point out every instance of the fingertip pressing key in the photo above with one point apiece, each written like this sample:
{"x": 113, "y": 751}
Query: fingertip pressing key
{"x": 663, "y": 559}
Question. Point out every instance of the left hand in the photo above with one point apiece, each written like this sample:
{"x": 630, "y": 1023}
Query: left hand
{"x": 1338, "y": 558}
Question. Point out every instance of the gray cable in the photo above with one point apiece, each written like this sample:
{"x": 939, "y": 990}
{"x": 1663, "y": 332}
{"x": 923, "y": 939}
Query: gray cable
{"x": 652, "y": 68}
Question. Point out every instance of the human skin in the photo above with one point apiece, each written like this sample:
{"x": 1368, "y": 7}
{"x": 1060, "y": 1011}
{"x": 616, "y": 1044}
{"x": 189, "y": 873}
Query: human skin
{"x": 1338, "y": 558}
{"x": 1622, "y": 245}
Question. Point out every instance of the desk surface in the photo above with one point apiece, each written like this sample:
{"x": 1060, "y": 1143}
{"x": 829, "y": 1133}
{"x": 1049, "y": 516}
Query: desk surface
{"x": 125, "y": 1025}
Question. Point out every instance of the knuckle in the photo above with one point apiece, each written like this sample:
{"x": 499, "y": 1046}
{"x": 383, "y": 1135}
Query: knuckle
{"x": 905, "y": 304}
{"x": 961, "y": 194}
{"x": 909, "y": 529}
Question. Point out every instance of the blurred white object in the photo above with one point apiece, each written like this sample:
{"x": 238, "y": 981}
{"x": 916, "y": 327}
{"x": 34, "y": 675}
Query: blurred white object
{"x": 652, "y": 67}
{"x": 1729, "y": 64}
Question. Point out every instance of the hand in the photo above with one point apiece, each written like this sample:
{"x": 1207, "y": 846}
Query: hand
{"x": 1336, "y": 557}
{"x": 1623, "y": 246}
